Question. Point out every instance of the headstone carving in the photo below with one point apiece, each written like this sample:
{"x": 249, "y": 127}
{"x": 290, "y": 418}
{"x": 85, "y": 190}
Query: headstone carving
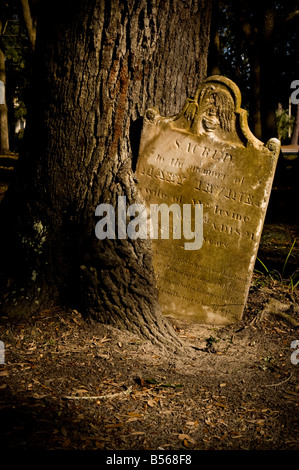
{"x": 207, "y": 155}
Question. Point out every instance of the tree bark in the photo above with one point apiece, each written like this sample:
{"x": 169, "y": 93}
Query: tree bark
{"x": 295, "y": 134}
{"x": 30, "y": 22}
{"x": 98, "y": 66}
{"x": 214, "y": 48}
{"x": 4, "y": 134}
{"x": 267, "y": 61}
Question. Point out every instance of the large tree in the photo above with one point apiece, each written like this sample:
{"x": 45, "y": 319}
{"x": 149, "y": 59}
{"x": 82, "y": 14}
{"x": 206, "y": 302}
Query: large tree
{"x": 97, "y": 66}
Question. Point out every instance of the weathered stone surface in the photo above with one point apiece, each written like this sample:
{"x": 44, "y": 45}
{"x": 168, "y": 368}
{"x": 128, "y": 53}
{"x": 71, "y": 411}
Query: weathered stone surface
{"x": 207, "y": 155}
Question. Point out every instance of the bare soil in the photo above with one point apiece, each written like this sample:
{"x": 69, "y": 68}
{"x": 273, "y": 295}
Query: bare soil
{"x": 68, "y": 383}
{"x": 72, "y": 384}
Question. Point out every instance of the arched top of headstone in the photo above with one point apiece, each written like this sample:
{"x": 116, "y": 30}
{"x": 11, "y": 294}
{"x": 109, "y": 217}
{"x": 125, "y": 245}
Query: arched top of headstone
{"x": 215, "y": 111}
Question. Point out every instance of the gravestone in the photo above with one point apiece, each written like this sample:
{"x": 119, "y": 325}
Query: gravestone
{"x": 207, "y": 155}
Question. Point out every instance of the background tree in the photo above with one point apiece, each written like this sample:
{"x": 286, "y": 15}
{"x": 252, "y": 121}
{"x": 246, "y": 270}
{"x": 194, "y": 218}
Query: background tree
{"x": 15, "y": 71}
{"x": 258, "y": 49}
{"x": 295, "y": 135}
{"x": 97, "y": 67}
{"x": 29, "y": 10}
{"x": 4, "y": 134}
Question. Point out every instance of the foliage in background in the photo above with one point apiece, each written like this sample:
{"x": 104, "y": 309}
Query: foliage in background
{"x": 285, "y": 125}
{"x": 291, "y": 281}
{"x": 18, "y": 68}
{"x": 240, "y": 36}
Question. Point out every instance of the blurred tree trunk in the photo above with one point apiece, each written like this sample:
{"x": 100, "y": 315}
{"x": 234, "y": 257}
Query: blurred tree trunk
{"x": 267, "y": 61}
{"x": 214, "y": 49}
{"x": 256, "y": 21}
{"x": 98, "y": 66}
{"x": 295, "y": 135}
{"x": 4, "y": 134}
{"x": 30, "y": 20}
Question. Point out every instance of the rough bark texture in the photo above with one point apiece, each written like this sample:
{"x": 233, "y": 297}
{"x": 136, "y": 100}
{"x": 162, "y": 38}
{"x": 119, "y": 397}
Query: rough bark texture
{"x": 99, "y": 65}
{"x": 4, "y": 135}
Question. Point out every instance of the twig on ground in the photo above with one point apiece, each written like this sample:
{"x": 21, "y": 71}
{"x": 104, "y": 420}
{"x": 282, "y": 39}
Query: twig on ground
{"x": 280, "y": 383}
{"x": 99, "y": 397}
{"x": 286, "y": 317}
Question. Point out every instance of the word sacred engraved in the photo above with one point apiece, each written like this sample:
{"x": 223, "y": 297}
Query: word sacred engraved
{"x": 207, "y": 155}
{"x": 204, "y": 151}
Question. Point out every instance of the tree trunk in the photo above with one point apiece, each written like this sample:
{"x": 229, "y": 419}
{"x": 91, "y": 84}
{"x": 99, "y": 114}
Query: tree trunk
{"x": 268, "y": 65}
{"x": 214, "y": 49}
{"x": 98, "y": 66}
{"x": 255, "y": 94}
{"x": 4, "y": 134}
{"x": 30, "y": 22}
{"x": 256, "y": 21}
{"x": 295, "y": 135}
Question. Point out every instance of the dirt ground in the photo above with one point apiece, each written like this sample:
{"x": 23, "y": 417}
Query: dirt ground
{"x": 71, "y": 384}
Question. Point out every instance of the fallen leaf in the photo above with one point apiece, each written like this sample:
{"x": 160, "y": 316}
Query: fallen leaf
{"x": 172, "y": 385}
{"x": 209, "y": 423}
{"x": 67, "y": 443}
{"x": 184, "y": 436}
{"x": 80, "y": 391}
{"x": 222, "y": 422}
{"x": 186, "y": 439}
{"x": 135, "y": 415}
{"x": 151, "y": 403}
{"x": 260, "y": 421}
{"x": 105, "y": 339}
{"x": 109, "y": 426}
{"x": 39, "y": 397}
{"x": 152, "y": 381}
{"x": 221, "y": 405}
{"x": 4, "y": 373}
